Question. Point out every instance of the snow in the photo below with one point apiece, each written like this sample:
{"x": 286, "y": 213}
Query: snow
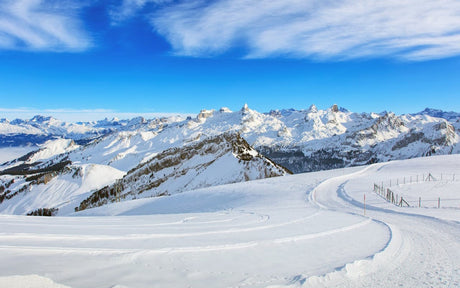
{"x": 123, "y": 144}
{"x": 304, "y": 230}
{"x": 385, "y": 135}
{"x": 11, "y": 153}
{"x": 51, "y": 148}
{"x": 64, "y": 191}
{"x": 28, "y": 281}
{"x": 401, "y": 177}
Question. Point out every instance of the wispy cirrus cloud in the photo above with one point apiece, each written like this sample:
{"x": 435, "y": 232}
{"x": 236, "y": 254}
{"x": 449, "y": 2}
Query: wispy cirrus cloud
{"x": 318, "y": 29}
{"x": 42, "y": 25}
{"x": 314, "y": 29}
{"x": 129, "y": 8}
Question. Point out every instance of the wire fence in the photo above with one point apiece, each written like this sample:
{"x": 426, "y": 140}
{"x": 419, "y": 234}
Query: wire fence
{"x": 390, "y": 196}
{"x": 418, "y": 178}
{"x": 390, "y": 191}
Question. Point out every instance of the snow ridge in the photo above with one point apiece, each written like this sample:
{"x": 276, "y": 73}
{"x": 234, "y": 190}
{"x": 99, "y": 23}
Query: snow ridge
{"x": 300, "y": 140}
{"x": 217, "y": 160}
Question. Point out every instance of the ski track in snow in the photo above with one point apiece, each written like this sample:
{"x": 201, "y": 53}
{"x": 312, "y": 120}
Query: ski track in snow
{"x": 424, "y": 251}
{"x": 306, "y": 230}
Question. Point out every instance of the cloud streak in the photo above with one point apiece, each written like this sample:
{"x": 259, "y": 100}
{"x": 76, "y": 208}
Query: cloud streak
{"x": 320, "y": 29}
{"x": 414, "y": 30}
{"x": 129, "y": 8}
{"x": 42, "y": 25}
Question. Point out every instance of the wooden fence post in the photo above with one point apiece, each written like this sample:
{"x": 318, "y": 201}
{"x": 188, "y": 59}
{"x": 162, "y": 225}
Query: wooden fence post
{"x": 403, "y": 201}
{"x": 439, "y": 202}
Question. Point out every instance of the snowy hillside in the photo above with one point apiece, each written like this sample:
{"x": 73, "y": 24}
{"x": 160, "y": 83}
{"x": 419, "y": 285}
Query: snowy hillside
{"x": 62, "y": 185}
{"x": 300, "y": 140}
{"x": 60, "y": 190}
{"x": 304, "y": 230}
{"x": 213, "y": 161}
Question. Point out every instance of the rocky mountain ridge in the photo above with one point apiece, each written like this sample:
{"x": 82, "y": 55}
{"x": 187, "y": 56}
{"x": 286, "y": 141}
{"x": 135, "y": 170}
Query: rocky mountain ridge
{"x": 300, "y": 140}
{"x": 217, "y": 160}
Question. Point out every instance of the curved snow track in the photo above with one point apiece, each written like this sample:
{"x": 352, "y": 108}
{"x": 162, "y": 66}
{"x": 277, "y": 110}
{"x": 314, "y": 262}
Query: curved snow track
{"x": 423, "y": 251}
{"x": 304, "y": 230}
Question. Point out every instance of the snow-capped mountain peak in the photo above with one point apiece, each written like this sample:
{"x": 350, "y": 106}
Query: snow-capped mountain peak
{"x": 450, "y": 116}
{"x": 301, "y": 140}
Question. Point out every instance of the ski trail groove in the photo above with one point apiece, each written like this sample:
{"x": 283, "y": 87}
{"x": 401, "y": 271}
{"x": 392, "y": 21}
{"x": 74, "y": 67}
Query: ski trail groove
{"x": 422, "y": 251}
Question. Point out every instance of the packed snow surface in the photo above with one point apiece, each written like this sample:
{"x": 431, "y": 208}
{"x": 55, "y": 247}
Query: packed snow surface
{"x": 304, "y": 230}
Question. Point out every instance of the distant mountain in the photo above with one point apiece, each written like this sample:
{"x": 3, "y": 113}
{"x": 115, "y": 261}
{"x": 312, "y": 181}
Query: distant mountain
{"x": 300, "y": 140}
{"x": 449, "y": 116}
{"x": 39, "y": 129}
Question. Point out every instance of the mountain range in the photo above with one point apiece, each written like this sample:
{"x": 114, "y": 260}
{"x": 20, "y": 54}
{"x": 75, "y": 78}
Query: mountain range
{"x": 76, "y": 166}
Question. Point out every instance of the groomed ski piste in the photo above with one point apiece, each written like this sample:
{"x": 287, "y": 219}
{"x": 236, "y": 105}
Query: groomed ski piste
{"x": 304, "y": 230}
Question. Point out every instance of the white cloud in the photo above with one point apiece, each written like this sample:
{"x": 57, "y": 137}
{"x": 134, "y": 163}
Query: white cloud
{"x": 43, "y": 25}
{"x": 82, "y": 115}
{"x": 320, "y": 29}
{"x": 129, "y": 8}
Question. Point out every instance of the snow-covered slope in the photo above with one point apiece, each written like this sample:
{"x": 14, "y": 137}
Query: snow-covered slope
{"x": 305, "y": 140}
{"x": 217, "y": 160}
{"x": 304, "y": 230}
{"x": 60, "y": 190}
{"x": 62, "y": 184}
{"x": 301, "y": 140}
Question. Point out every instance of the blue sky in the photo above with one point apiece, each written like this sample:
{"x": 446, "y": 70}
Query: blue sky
{"x": 100, "y": 58}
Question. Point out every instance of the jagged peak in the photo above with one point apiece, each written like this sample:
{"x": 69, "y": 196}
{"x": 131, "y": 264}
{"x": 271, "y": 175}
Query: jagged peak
{"x": 189, "y": 163}
{"x": 40, "y": 118}
{"x": 383, "y": 113}
{"x": 334, "y": 108}
{"x": 245, "y": 108}
{"x": 388, "y": 115}
{"x": 389, "y": 119}
{"x": 313, "y": 108}
{"x": 225, "y": 110}
{"x": 275, "y": 113}
{"x": 438, "y": 113}
{"x": 137, "y": 120}
{"x": 205, "y": 114}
